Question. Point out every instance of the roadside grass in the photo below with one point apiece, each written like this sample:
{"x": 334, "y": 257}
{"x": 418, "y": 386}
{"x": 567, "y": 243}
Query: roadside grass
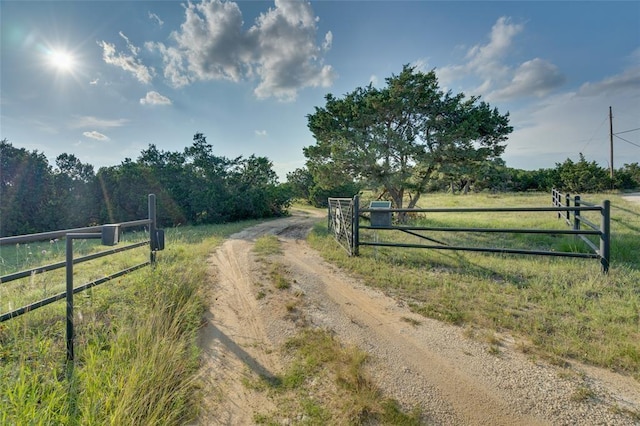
{"x": 136, "y": 348}
{"x": 555, "y": 308}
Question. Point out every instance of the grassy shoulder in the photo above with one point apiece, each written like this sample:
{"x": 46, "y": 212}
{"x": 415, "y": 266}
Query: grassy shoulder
{"x": 136, "y": 343}
{"x": 555, "y": 308}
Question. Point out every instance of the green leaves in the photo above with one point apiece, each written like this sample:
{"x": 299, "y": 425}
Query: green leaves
{"x": 398, "y": 136}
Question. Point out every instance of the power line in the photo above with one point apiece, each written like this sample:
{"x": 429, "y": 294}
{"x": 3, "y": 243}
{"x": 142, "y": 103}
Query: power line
{"x": 632, "y": 143}
{"x": 594, "y": 134}
{"x": 627, "y": 131}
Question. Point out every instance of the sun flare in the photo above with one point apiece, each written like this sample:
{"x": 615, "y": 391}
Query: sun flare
{"x": 61, "y": 60}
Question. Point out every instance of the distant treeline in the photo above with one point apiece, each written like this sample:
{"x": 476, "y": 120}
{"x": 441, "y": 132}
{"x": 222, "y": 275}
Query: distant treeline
{"x": 197, "y": 187}
{"x": 572, "y": 177}
{"x": 192, "y": 187}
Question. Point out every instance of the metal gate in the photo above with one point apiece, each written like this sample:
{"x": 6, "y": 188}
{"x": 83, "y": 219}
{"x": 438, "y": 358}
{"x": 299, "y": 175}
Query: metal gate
{"x": 341, "y": 219}
{"x": 344, "y": 214}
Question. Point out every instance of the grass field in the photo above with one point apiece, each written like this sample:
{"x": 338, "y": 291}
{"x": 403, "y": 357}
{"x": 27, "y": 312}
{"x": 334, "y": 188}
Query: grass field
{"x": 557, "y": 308}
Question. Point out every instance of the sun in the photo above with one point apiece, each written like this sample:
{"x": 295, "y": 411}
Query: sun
{"x": 62, "y": 60}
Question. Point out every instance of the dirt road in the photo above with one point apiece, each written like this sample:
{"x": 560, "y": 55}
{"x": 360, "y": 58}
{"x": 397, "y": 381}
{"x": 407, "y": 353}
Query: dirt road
{"x": 420, "y": 362}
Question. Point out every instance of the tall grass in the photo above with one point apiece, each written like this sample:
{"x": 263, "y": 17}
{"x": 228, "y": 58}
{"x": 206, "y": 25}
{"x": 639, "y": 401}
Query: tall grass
{"x": 557, "y": 308}
{"x": 136, "y": 352}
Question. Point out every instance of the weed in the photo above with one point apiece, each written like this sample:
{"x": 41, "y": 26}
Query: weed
{"x": 583, "y": 393}
{"x": 414, "y": 322}
{"x": 494, "y": 350}
{"x": 277, "y": 276}
{"x": 291, "y": 306}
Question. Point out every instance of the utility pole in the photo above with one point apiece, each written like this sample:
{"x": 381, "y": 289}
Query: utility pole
{"x": 611, "y": 145}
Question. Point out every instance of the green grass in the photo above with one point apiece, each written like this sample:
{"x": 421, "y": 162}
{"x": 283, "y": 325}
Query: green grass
{"x": 136, "y": 348}
{"x": 555, "y": 307}
{"x": 348, "y": 395}
{"x": 267, "y": 245}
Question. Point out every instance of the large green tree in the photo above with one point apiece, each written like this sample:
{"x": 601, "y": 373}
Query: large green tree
{"x": 402, "y": 136}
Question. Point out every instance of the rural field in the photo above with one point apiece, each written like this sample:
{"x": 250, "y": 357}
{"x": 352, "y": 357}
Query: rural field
{"x": 273, "y": 323}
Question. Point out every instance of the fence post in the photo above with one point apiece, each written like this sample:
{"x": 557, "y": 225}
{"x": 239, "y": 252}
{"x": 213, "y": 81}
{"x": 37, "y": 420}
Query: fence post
{"x": 69, "y": 266}
{"x": 576, "y": 214}
{"x": 605, "y": 236}
{"x": 567, "y": 203}
{"x": 153, "y": 236}
{"x": 69, "y": 294}
{"x": 355, "y": 225}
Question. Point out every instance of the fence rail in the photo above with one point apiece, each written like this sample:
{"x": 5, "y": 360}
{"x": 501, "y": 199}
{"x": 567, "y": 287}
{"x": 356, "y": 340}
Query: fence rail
{"x": 109, "y": 234}
{"x": 561, "y": 204}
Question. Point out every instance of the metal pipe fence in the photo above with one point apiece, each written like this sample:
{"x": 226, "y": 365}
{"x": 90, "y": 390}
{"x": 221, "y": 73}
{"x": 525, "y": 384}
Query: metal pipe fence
{"x": 561, "y": 205}
{"x": 109, "y": 234}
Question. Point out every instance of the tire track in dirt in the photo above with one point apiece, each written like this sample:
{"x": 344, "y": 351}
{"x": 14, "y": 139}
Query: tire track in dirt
{"x": 235, "y": 346}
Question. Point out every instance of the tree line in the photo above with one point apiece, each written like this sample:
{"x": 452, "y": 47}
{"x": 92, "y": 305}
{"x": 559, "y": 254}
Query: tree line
{"x": 193, "y": 186}
{"x": 572, "y": 177}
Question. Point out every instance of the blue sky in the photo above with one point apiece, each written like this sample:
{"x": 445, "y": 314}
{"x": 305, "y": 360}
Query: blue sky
{"x": 104, "y": 79}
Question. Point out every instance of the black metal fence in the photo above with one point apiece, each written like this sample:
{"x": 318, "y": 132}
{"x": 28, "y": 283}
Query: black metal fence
{"x": 109, "y": 235}
{"x": 577, "y": 222}
{"x": 381, "y": 219}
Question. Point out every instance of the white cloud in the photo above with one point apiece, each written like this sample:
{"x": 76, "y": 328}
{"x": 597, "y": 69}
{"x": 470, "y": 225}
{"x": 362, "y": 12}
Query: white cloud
{"x": 129, "y": 63}
{"x": 132, "y": 48}
{"x": 488, "y": 63}
{"x": 289, "y": 57}
{"x": 421, "y": 65}
{"x": 156, "y": 18}
{"x": 175, "y": 66}
{"x": 94, "y": 82}
{"x": 280, "y": 49}
{"x": 155, "y": 98}
{"x": 261, "y": 133}
{"x": 328, "y": 41}
{"x": 488, "y": 57}
{"x": 628, "y": 80}
{"x": 96, "y": 135}
{"x": 535, "y": 77}
{"x": 211, "y": 40}
{"x": 90, "y": 121}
